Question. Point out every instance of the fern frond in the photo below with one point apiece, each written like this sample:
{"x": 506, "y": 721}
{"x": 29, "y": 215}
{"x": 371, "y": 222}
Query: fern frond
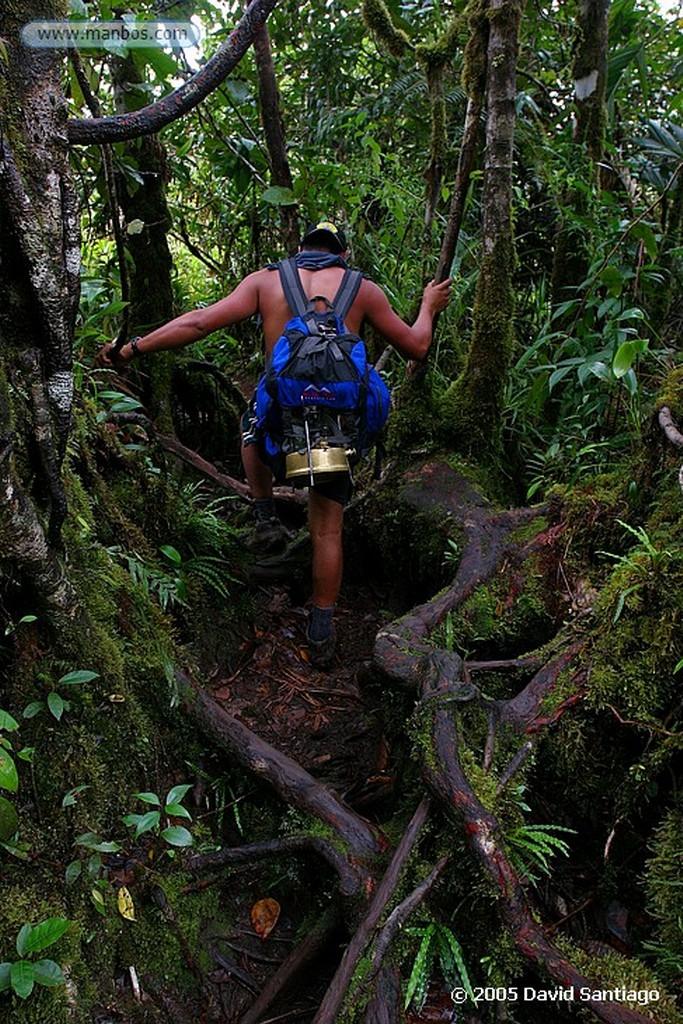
{"x": 418, "y": 982}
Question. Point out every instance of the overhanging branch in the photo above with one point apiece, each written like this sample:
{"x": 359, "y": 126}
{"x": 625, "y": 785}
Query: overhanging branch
{"x": 157, "y": 115}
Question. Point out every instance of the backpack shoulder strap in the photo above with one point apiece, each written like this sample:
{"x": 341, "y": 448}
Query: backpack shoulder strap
{"x": 292, "y": 287}
{"x": 348, "y": 289}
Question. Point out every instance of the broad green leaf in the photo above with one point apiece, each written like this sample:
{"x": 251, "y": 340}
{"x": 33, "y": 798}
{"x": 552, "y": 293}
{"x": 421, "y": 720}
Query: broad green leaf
{"x": 277, "y": 195}
{"x": 69, "y": 799}
{"x": 163, "y": 65}
{"x": 94, "y": 864}
{"x": 148, "y": 798}
{"x": 175, "y": 795}
{"x": 98, "y": 902}
{"x": 45, "y": 934}
{"x": 33, "y": 709}
{"x": 630, "y": 382}
{"x": 171, "y": 553}
{"x": 5, "y": 971}
{"x": 57, "y": 705}
{"x": 176, "y": 835}
{"x": 48, "y": 973}
{"x": 557, "y": 376}
{"x": 7, "y": 722}
{"x": 21, "y": 978}
{"x": 177, "y": 811}
{"x": 613, "y": 279}
{"x": 601, "y": 371}
{"x": 623, "y": 360}
{"x": 73, "y": 871}
{"x": 9, "y": 819}
{"x": 22, "y": 938}
{"x": 143, "y": 822}
{"x": 91, "y": 841}
{"x": 9, "y": 778}
{"x": 79, "y": 676}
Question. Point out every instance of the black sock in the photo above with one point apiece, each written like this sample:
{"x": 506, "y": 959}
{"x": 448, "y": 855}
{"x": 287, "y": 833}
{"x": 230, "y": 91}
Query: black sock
{"x": 264, "y": 510}
{"x": 320, "y": 623}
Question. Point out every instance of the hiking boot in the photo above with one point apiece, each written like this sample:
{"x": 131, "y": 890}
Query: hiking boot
{"x": 321, "y": 652}
{"x": 267, "y": 537}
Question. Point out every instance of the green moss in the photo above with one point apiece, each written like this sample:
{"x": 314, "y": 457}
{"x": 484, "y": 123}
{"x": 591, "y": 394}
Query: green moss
{"x": 610, "y": 971}
{"x": 378, "y": 19}
{"x": 507, "y": 614}
{"x": 444, "y": 48}
{"x": 470, "y": 411}
{"x": 476, "y": 50}
{"x": 671, "y": 394}
{"x": 664, "y": 886}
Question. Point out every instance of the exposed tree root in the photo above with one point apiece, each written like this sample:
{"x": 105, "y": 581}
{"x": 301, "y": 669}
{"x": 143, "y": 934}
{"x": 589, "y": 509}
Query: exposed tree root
{"x": 402, "y": 653}
{"x": 292, "y": 967}
{"x": 400, "y": 650}
{"x": 287, "y": 778}
{"x": 349, "y": 882}
{"x": 336, "y": 993}
{"x": 483, "y": 834}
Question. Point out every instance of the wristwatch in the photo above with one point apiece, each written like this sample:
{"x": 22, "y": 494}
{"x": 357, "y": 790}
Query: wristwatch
{"x": 134, "y": 345}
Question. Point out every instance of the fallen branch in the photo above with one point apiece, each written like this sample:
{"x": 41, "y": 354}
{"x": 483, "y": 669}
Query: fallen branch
{"x": 521, "y": 711}
{"x": 194, "y": 459}
{"x": 332, "y": 1001}
{"x": 399, "y": 651}
{"x": 289, "y": 780}
{"x": 400, "y": 914}
{"x": 229, "y": 857}
{"x": 668, "y": 425}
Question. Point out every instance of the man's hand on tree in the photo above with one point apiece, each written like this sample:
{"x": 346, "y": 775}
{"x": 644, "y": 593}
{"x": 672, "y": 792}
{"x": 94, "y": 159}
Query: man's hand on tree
{"x": 437, "y": 296}
{"x": 112, "y": 358}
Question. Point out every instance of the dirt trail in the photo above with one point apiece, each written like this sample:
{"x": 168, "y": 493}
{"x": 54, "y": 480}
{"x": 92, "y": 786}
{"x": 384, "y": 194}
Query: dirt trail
{"x": 320, "y": 719}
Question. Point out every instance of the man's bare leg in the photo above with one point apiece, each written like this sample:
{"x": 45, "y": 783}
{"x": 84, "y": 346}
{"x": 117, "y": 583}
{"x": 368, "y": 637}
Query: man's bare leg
{"x": 325, "y": 522}
{"x": 269, "y": 536}
{"x": 259, "y": 476}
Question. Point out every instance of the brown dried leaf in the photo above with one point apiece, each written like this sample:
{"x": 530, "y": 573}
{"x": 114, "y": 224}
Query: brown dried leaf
{"x": 264, "y": 916}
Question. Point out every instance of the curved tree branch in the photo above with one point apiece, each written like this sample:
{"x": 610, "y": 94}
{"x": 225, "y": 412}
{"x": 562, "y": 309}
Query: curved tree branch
{"x": 157, "y": 115}
{"x": 668, "y": 425}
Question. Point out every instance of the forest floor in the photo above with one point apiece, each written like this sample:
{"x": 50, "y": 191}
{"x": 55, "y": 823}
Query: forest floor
{"x": 330, "y": 723}
{"x": 319, "y": 719}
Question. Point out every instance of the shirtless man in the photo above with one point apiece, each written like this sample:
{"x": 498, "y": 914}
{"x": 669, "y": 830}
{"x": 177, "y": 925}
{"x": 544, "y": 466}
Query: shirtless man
{"x": 321, "y": 267}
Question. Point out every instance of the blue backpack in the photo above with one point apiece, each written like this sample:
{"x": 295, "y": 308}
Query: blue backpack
{"x": 319, "y": 392}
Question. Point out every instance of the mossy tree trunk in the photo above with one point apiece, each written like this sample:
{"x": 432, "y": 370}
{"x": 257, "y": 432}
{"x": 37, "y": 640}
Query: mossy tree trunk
{"x": 39, "y": 289}
{"x": 472, "y": 406}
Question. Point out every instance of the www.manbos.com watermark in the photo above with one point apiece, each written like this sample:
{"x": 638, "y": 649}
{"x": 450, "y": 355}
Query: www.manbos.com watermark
{"x": 83, "y": 35}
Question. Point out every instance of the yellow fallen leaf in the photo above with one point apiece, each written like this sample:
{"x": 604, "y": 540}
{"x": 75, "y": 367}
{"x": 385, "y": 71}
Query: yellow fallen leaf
{"x": 264, "y": 916}
{"x": 125, "y": 904}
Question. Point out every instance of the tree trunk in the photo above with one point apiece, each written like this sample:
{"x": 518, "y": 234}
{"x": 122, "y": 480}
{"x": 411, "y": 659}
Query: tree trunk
{"x": 273, "y": 127}
{"x": 573, "y": 242}
{"x": 472, "y": 406}
{"x": 151, "y": 285}
{"x": 39, "y": 289}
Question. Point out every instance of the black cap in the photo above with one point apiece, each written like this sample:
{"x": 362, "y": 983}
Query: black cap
{"x": 325, "y": 233}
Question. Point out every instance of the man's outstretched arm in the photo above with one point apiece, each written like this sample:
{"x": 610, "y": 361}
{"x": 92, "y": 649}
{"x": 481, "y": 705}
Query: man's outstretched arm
{"x": 242, "y": 303}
